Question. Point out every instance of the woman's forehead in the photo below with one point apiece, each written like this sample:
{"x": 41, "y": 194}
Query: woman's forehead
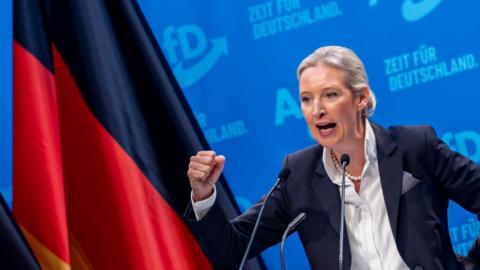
{"x": 321, "y": 77}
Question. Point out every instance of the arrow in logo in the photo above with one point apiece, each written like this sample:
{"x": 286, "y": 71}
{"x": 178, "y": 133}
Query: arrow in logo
{"x": 187, "y": 77}
{"x": 415, "y": 11}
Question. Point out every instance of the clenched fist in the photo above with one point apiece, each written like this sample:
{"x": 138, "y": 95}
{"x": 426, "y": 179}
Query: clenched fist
{"x": 204, "y": 170}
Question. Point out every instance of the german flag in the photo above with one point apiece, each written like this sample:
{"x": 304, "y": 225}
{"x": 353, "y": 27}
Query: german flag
{"x": 14, "y": 251}
{"x": 102, "y": 138}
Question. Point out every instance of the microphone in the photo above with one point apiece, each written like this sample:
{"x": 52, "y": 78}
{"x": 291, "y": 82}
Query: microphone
{"x": 345, "y": 160}
{"x": 301, "y": 217}
{"x": 284, "y": 173}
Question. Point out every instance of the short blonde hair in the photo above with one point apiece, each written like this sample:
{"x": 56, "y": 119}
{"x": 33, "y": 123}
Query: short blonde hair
{"x": 347, "y": 61}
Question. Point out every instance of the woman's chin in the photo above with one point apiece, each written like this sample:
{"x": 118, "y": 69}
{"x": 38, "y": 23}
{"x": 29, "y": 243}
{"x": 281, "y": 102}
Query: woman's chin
{"x": 326, "y": 143}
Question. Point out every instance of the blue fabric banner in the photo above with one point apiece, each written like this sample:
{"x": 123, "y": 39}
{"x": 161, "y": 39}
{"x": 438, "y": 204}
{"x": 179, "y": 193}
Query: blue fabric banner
{"x": 236, "y": 62}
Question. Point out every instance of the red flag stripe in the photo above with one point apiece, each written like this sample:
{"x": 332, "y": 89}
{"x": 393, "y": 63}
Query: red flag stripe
{"x": 38, "y": 200}
{"x": 118, "y": 218}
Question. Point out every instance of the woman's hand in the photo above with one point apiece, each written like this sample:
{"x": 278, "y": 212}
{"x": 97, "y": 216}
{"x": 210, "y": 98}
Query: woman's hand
{"x": 204, "y": 170}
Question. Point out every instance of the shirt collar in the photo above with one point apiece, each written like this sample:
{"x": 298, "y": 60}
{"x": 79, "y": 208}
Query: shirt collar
{"x": 370, "y": 152}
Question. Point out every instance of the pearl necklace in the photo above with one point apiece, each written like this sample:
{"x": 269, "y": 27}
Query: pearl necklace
{"x": 339, "y": 168}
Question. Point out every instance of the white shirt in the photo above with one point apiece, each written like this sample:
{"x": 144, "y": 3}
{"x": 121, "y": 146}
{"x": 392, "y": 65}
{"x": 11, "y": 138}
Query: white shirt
{"x": 369, "y": 233}
{"x": 372, "y": 245}
{"x": 201, "y": 208}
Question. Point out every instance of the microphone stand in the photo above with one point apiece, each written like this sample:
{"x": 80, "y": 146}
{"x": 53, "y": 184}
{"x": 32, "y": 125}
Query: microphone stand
{"x": 345, "y": 159}
{"x": 302, "y": 216}
{"x": 282, "y": 175}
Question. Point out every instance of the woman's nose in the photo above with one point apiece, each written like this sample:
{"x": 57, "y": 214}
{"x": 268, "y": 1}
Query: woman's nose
{"x": 318, "y": 110}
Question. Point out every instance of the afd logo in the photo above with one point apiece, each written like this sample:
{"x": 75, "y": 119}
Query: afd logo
{"x": 194, "y": 47}
{"x": 414, "y": 10}
{"x": 466, "y": 143}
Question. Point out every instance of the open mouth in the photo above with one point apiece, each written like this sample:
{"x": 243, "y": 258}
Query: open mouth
{"x": 325, "y": 129}
{"x": 326, "y": 126}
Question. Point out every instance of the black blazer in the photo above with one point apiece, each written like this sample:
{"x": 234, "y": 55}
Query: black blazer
{"x": 419, "y": 175}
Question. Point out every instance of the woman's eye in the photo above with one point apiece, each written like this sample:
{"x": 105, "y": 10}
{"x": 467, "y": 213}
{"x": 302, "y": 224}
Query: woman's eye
{"x": 331, "y": 94}
{"x": 305, "y": 99}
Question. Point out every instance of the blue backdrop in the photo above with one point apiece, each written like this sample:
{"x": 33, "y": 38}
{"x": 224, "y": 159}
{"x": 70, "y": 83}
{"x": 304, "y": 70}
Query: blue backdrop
{"x": 6, "y": 37}
{"x": 236, "y": 63}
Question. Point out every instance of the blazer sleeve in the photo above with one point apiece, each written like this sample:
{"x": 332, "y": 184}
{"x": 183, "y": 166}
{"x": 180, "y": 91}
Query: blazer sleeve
{"x": 224, "y": 242}
{"x": 459, "y": 178}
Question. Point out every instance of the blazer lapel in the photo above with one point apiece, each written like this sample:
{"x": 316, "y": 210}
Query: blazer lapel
{"x": 390, "y": 167}
{"x": 328, "y": 194}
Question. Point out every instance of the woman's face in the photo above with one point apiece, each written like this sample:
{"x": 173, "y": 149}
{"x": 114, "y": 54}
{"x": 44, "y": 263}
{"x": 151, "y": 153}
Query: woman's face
{"x": 332, "y": 112}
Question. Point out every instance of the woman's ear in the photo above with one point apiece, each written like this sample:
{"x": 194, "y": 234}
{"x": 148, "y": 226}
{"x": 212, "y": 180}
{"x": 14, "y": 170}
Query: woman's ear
{"x": 363, "y": 97}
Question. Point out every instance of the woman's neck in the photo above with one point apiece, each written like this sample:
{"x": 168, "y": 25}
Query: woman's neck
{"x": 355, "y": 148}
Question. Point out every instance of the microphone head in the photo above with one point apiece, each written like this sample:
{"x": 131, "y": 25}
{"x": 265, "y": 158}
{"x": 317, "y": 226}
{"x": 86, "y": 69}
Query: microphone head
{"x": 345, "y": 159}
{"x": 296, "y": 221}
{"x": 284, "y": 173}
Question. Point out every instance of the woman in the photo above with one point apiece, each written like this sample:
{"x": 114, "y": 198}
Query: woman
{"x": 399, "y": 183}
